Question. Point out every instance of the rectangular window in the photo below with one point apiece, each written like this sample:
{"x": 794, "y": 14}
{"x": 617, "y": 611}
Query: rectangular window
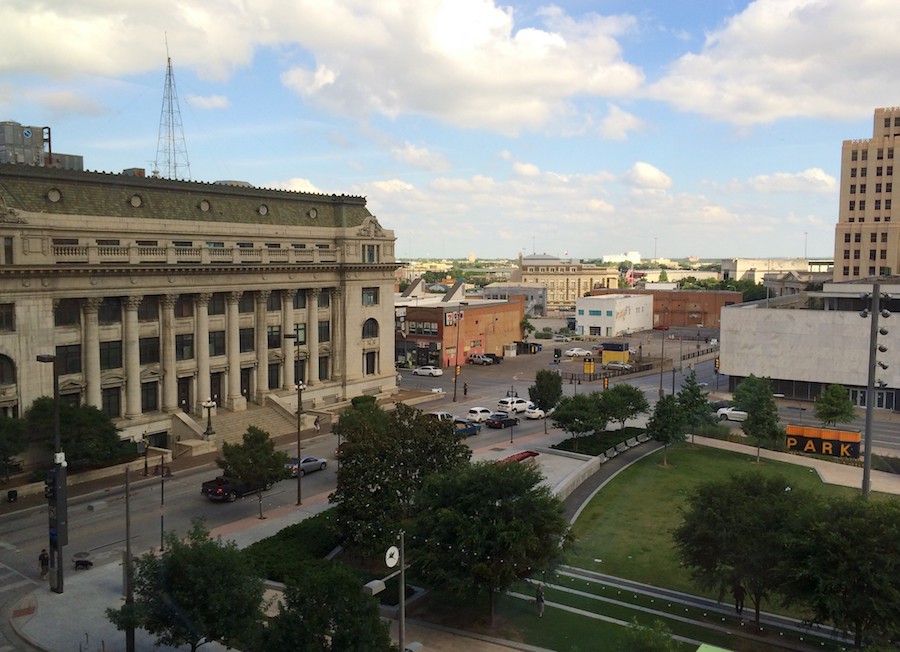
{"x": 856, "y": 271}
{"x": 877, "y": 187}
{"x": 846, "y": 254}
{"x": 274, "y": 374}
{"x": 67, "y": 313}
{"x": 880, "y": 153}
{"x": 887, "y": 204}
{"x": 595, "y": 313}
{"x": 324, "y": 331}
{"x": 8, "y": 251}
{"x": 273, "y": 335}
{"x": 324, "y": 299}
{"x": 862, "y": 188}
{"x": 884, "y": 237}
{"x": 246, "y": 339}
{"x": 865, "y": 155}
{"x": 872, "y": 254}
{"x": 111, "y": 398}
{"x": 216, "y": 343}
{"x": 852, "y": 173}
{"x": 68, "y": 359}
{"x": 149, "y": 350}
{"x": 273, "y": 245}
{"x": 846, "y": 271}
{"x": 247, "y": 302}
{"x": 854, "y": 155}
{"x": 184, "y": 346}
{"x": 184, "y": 305}
{"x": 877, "y": 204}
{"x": 300, "y": 300}
{"x": 890, "y": 152}
{"x": 371, "y": 363}
{"x": 370, "y": 296}
{"x": 883, "y": 254}
{"x": 852, "y": 188}
{"x": 300, "y": 332}
{"x": 863, "y": 172}
{"x": 274, "y": 302}
{"x": 110, "y": 310}
{"x": 149, "y": 397}
{"x": 111, "y": 355}
{"x": 890, "y": 170}
{"x": 8, "y": 317}
{"x": 852, "y": 205}
{"x": 846, "y": 237}
{"x": 148, "y": 310}
{"x": 323, "y": 368}
{"x": 878, "y": 171}
{"x": 245, "y": 245}
{"x": 856, "y": 255}
{"x": 873, "y": 237}
{"x": 371, "y": 253}
{"x": 888, "y": 187}
{"x": 857, "y": 237}
{"x": 217, "y": 304}
{"x": 182, "y": 244}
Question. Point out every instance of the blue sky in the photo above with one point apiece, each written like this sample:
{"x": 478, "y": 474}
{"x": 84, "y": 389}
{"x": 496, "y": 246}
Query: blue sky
{"x": 707, "y": 128}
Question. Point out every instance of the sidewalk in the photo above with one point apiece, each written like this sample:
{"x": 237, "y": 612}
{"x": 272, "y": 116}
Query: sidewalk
{"x": 75, "y": 620}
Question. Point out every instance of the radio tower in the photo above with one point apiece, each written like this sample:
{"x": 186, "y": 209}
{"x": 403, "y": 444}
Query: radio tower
{"x": 171, "y": 150}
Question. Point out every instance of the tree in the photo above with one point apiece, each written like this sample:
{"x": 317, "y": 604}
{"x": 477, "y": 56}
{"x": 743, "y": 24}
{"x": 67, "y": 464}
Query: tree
{"x": 198, "y": 590}
{"x": 547, "y": 389}
{"x": 384, "y": 462}
{"x": 486, "y": 526}
{"x": 663, "y": 276}
{"x": 579, "y": 415}
{"x": 325, "y": 609}
{"x": 12, "y": 443}
{"x": 834, "y": 406}
{"x": 527, "y": 327}
{"x": 87, "y": 434}
{"x": 255, "y": 461}
{"x": 754, "y": 396}
{"x": 622, "y": 402}
{"x": 648, "y": 638}
{"x": 666, "y": 425}
{"x": 842, "y": 563}
{"x": 693, "y": 403}
{"x": 734, "y": 532}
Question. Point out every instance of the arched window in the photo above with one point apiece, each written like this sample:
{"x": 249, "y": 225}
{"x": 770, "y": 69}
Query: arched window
{"x": 370, "y": 329}
{"x": 7, "y": 371}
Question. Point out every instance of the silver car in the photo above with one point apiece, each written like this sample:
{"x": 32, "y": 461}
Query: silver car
{"x": 308, "y": 464}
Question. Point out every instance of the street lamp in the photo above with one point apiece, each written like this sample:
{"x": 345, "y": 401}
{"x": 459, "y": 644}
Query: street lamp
{"x": 55, "y": 489}
{"x": 456, "y": 367}
{"x": 208, "y": 405}
{"x": 300, "y": 388}
{"x": 662, "y": 356}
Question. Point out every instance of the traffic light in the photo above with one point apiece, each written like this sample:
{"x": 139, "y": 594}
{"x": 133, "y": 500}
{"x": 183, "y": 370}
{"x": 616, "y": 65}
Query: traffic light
{"x": 50, "y": 485}
{"x": 606, "y": 382}
{"x": 457, "y": 370}
{"x": 717, "y": 364}
{"x": 557, "y": 353}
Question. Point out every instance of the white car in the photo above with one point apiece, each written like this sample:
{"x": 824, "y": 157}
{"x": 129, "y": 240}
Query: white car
{"x": 428, "y": 370}
{"x": 577, "y": 353}
{"x": 513, "y": 405}
{"x": 479, "y": 414}
{"x": 623, "y": 366}
{"x": 562, "y": 338}
{"x": 730, "y": 414}
{"x": 534, "y": 412}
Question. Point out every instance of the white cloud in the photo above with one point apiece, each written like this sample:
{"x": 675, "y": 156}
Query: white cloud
{"x": 645, "y": 176}
{"x": 812, "y": 180}
{"x": 209, "y": 102}
{"x": 783, "y": 58}
{"x": 526, "y": 169}
{"x": 617, "y": 124}
{"x": 296, "y": 184}
{"x": 67, "y": 102}
{"x": 420, "y": 157}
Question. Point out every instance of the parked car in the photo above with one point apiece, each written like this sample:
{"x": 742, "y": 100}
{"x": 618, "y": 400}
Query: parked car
{"x": 229, "y": 489}
{"x": 621, "y": 366}
{"x": 512, "y": 404}
{"x": 495, "y": 359}
{"x": 577, "y": 353}
{"x": 428, "y": 370}
{"x": 534, "y": 412}
{"x": 478, "y": 414}
{"x": 308, "y": 464}
{"x": 562, "y": 338}
{"x": 441, "y": 415}
{"x": 466, "y": 427}
{"x": 479, "y": 358}
{"x": 730, "y": 414}
{"x": 501, "y": 420}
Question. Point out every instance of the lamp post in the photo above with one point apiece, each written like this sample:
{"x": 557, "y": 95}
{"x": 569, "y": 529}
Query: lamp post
{"x": 300, "y": 388}
{"x": 55, "y": 489}
{"x": 662, "y": 360}
{"x": 456, "y": 367}
{"x": 208, "y": 405}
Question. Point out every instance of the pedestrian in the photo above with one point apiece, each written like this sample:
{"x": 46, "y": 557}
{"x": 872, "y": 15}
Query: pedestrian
{"x": 539, "y": 600}
{"x": 316, "y": 424}
{"x": 738, "y": 592}
{"x": 44, "y": 563}
{"x": 465, "y": 388}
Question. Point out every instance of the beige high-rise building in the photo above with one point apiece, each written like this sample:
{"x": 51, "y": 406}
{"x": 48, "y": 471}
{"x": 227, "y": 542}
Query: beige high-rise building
{"x": 867, "y": 241}
{"x": 566, "y": 279}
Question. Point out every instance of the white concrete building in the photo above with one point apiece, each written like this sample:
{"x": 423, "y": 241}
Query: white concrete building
{"x": 613, "y": 315}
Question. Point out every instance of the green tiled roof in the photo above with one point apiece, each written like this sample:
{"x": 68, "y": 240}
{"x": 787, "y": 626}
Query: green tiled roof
{"x": 119, "y": 195}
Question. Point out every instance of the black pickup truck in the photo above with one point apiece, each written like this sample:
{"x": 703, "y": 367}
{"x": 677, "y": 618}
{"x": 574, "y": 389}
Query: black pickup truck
{"x": 229, "y": 489}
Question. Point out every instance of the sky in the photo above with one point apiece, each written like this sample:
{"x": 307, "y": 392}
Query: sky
{"x": 675, "y": 128}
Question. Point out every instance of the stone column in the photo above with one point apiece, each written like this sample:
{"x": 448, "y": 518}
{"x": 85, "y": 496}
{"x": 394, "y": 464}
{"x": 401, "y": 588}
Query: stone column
{"x": 167, "y": 353}
{"x": 91, "y": 345}
{"x": 288, "y": 347}
{"x": 312, "y": 336}
{"x": 232, "y": 343}
{"x": 338, "y": 335}
{"x": 132, "y": 354}
{"x": 201, "y": 350}
{"x": 262, "y": 345}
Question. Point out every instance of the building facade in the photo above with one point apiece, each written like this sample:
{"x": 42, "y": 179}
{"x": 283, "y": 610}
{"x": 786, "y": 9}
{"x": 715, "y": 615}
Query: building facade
{"x": 686, "y": 308}
{"x": 565, "y": 279}
{"x": 535, "y": 295}
{"x": 866, "y": 241}
{"x": 157, "y": 295}
{"x": 613, "y": 315}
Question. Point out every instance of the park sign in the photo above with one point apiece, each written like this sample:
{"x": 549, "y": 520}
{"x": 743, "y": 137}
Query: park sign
{"x": 823, "y": 441}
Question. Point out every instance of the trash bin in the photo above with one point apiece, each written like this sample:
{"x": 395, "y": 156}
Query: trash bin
{"x": 12, "y": 496}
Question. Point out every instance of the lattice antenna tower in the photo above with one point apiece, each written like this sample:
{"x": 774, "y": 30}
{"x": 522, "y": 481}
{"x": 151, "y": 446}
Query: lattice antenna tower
{"x": 171, "y": 149}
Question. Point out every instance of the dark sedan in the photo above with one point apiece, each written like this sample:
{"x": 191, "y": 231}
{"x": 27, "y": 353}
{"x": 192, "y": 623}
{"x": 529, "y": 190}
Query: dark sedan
{"x": 501, "y": 420}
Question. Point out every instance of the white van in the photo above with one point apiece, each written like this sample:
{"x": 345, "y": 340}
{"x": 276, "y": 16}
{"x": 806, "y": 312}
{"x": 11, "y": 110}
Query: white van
{"x": 513, "y": 404}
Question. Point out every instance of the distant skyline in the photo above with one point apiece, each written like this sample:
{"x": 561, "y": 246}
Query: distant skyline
{"x": 709, "y": 128}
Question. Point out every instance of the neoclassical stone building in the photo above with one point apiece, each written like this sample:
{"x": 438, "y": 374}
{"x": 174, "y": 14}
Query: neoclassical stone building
{"x": 157, "y": 295}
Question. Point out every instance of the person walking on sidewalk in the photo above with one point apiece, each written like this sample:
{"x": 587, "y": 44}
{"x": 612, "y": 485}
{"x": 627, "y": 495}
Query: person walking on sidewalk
{"x": 316, "y": 424}
{"x": 44, "y": 563}
{"x": 738, "y": 592}
{"x": 539, "y": 600}
{"x": 465, "y": 389}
